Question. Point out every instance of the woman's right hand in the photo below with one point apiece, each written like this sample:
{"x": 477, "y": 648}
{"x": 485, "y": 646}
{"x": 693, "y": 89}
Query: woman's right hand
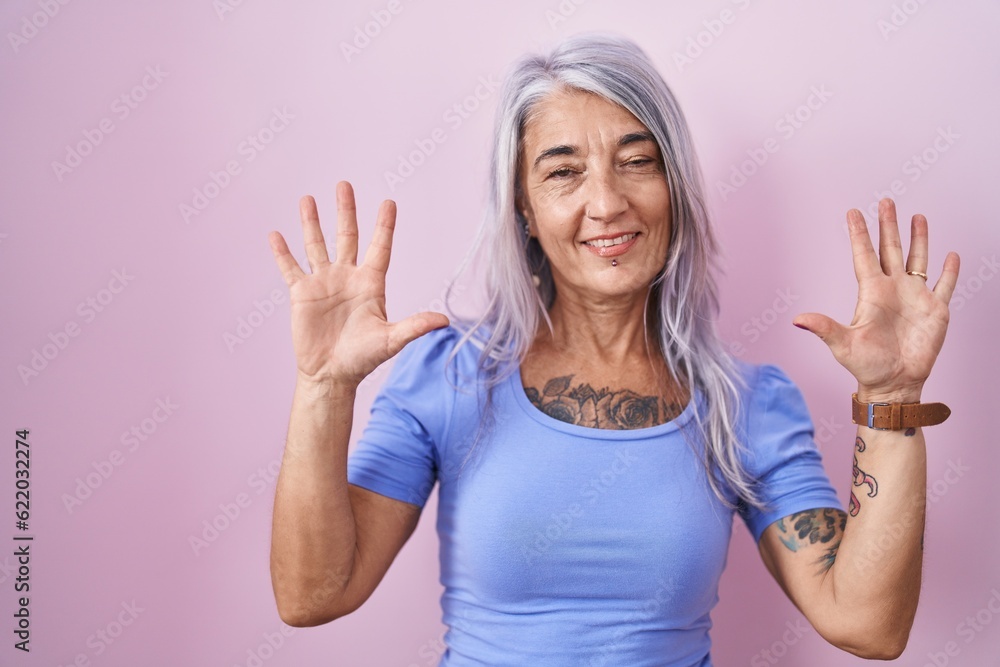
{"x": 339, "y": 328}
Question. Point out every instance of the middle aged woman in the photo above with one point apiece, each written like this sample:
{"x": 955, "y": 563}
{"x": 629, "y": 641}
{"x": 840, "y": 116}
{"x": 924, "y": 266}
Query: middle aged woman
{"x": 590, "y": 433}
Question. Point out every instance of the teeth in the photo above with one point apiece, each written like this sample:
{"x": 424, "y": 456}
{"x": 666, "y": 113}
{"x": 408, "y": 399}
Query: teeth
{"x": 604, "y": 243}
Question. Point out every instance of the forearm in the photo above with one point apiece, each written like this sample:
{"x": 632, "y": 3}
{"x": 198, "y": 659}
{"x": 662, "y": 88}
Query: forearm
{"x": 313, "y": 536}
{"x": 875, "y": 579}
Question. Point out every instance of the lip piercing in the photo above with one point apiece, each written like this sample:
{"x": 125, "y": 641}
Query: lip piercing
{"x": 614, "y": 262}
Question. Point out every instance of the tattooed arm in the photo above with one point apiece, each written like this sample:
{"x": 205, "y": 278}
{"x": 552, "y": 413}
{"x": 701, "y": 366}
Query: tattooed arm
{"x": 866, "y": 598}
{"x": 856, "y": 575}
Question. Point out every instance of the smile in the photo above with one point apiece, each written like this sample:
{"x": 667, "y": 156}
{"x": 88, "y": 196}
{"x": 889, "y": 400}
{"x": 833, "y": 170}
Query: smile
{"x": 603, "y": 243}
{"x": 611, "y": 247}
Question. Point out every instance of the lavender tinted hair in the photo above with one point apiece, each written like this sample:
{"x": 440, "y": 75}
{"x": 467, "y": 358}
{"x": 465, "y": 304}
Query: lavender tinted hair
{"x": 683, "y": 299}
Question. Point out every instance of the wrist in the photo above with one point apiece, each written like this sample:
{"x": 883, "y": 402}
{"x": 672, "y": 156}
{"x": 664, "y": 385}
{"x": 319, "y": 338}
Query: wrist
{"x": 325, "y": 386}
{"x": 895, "y": 408}
{"x": 890, "y": 395}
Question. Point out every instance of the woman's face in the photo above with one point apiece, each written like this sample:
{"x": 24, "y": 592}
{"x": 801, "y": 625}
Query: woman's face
{"x": 592, "y": 175}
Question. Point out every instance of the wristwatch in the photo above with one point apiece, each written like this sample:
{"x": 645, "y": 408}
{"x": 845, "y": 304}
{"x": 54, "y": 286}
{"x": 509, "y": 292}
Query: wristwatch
{"x": 897, "y": 416}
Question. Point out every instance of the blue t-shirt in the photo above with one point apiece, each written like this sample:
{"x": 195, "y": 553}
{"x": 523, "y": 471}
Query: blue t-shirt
{"x": 569, "y": 545}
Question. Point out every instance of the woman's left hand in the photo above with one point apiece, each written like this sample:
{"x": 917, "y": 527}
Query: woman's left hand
{"x": 899, "y": 323}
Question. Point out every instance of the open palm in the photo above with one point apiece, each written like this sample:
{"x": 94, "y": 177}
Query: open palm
{"x": 899, "y": 324}
{"x": 340, "y": 331}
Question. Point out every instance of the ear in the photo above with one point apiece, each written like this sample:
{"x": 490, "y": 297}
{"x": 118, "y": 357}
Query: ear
{"x": 530, "y": 217}
{"x": 525, "y": 210}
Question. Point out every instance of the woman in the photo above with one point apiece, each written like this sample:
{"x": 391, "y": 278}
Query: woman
{"x": 590, "y": 434}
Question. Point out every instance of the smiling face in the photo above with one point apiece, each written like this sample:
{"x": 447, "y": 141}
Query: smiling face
{"x": 594, "y": 189}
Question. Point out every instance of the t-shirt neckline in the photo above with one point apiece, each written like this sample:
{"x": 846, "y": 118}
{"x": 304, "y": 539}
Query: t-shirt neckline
{"x": 516, "y": 386}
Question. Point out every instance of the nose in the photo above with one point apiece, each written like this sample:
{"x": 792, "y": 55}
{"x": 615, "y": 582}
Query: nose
{"x": 605, "y": 197}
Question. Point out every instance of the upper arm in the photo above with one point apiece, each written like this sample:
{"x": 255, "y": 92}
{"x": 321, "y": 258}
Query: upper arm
{"x": 382, "y": 525}
{"x": 801, "y": 522}
{"x": 393, "y": 467}
{"x": 799, "y": 550}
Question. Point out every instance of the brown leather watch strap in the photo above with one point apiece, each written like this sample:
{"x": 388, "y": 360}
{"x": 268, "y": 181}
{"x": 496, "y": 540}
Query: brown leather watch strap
{"x": 897, "y": 416}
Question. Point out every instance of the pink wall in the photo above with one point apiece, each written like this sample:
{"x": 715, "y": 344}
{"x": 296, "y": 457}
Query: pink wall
{"x": 169, "y": 93}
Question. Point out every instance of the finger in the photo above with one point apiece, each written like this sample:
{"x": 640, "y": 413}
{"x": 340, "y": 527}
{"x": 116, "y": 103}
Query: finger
{"x": 945, "y": 285}
{"x": 290, "y": 269}
{"x": 865, "y": 262}
{"x": 890, "y": 248}
{"x": 403, "y": 332}
{"x": 828, "y": 330}
{"x": 313, "y": 234}
{"x": 377, "y": 256}
{"x": 916, "y": 259}
{"x": 347, "y": 225}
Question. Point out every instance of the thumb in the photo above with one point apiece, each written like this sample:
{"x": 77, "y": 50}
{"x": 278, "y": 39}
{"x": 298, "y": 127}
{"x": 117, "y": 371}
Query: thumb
{"x": 828, "y": 330}
{"x": 413, "y": 327}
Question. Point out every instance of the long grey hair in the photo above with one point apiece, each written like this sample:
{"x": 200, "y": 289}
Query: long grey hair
{"x": 682, "y": 299}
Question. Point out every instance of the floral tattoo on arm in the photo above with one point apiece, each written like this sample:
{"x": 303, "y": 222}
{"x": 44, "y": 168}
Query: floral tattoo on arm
{"x": 824, "y": 525}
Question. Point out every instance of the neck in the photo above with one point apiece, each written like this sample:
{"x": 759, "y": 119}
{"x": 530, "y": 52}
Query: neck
{"x": 609, "y": 332}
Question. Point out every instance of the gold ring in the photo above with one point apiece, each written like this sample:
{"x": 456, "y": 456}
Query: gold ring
{"x": 917, "y": 273}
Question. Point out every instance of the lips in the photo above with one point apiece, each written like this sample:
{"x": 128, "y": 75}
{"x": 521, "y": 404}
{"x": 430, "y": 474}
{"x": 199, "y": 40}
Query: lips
{"x": 612, "y": 247}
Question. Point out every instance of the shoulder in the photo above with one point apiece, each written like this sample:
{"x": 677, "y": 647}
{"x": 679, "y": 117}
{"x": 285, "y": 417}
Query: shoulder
{"x": 763, "y": 380}
{"x": 444, "y": 352}
{"x": 418, "y": 384}
{"x": 769, "y": 396}
{"x": 431, "y": 345}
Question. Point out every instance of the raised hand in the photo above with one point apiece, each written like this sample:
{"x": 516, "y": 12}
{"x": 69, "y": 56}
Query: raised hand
{"x": 339, "y": 327}
{"x": 899, "y": 324}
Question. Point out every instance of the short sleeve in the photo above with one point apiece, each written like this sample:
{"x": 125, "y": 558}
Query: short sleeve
{"x": 782, "y": 454}
{"x": 397, "y": 453}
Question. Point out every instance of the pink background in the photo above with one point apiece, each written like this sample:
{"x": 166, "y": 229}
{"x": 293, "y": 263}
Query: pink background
{"x": 164, "y": 335}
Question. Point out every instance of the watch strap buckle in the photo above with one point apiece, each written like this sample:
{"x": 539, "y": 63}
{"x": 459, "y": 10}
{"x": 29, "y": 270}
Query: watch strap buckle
{"x": 897, "y": 416}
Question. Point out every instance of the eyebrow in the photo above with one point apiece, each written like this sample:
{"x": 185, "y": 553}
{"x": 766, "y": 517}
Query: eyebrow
{"x": 564, "y": 149}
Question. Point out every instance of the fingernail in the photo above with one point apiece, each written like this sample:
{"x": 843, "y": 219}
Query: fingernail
{"x": 800, "y": 326}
